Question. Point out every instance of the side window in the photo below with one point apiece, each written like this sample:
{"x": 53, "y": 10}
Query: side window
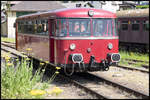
{"x": 57, "y": 27}
{"x": 41, "y": 27}
{"x": 53, "y": 27}
{"x": 35, "y": 26}
{"x": 135, "y": 25}
{"x": 115, "y": 26}
{"x": 61, "y": 27}
{"x": 146, "y": 25}
{"x": 46, "y": 26}
{"x": 30, "y": 27}
{"x": 19, "y": 26}
{"x": 124, "y": 25}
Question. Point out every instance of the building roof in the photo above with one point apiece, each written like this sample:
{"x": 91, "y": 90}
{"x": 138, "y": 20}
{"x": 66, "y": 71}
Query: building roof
{"x": 133, "y": 13}
{"x": 37, "y": 6}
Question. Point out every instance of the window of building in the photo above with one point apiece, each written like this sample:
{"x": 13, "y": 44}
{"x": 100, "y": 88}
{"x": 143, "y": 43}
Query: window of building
{"x": 135, "y": 25}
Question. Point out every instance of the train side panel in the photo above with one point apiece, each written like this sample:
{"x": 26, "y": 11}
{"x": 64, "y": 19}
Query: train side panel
{"x": 131, "y": 36}
{"x": 38, "y": 44}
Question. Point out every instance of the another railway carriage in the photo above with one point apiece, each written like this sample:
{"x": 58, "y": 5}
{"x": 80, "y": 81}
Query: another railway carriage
{"x": 134, "y": 29}
{"x": 79, "y": 39}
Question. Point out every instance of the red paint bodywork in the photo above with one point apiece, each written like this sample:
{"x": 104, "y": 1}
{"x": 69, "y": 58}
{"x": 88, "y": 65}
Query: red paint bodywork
{"x": 98, "y": 48}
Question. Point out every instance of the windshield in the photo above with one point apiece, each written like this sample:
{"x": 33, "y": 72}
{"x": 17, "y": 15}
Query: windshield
{"x": 79, "y": 27}
{"x": 104, "y": 27}
{"x": 76, "y": 27}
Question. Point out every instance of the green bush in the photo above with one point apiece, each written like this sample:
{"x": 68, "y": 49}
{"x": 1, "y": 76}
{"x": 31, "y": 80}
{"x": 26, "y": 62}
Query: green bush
{"x": 17, "y": 82}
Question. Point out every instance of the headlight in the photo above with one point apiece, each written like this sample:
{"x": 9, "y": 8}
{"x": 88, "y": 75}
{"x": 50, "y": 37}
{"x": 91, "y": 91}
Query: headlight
{"x": 72, "y": 46}
{"x": 110, "y": 46}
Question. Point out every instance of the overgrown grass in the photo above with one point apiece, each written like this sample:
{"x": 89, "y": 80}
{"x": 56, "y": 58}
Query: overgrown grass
{"x": 18, "y": 82}
{"x": 5, "y": 39}
{"x": 135, "y": 56}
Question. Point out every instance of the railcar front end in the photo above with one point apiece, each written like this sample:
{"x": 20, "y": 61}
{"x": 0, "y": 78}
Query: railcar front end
{"x": 83, "y": 44}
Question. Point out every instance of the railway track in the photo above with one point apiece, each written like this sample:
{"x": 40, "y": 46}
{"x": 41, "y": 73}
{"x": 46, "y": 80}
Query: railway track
{"x": 8, "y": 44}
{"x": 94, "y": 85}
{"x": 131, "y": 68}
{"x": 134, "y": 60}
{"x": 107, "y": 89}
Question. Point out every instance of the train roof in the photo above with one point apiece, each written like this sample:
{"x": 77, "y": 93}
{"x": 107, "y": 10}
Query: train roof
{"x": 133, "y": 13}
{"x": 71, "y": 13}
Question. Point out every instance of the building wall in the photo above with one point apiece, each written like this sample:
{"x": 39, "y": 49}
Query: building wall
{"x": 4, "y": 29}
{"x": 10, "y": 23}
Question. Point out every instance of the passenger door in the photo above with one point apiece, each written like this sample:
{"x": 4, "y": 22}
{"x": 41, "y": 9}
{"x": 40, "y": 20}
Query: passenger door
{"x": 51, "y": 34}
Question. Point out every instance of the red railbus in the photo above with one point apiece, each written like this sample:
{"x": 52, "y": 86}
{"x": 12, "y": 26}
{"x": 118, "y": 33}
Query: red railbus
{"x": 77, "y": 39}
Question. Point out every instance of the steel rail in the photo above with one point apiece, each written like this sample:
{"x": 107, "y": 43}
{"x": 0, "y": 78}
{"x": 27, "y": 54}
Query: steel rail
{"x": 129, "y": 90}
{"x": 129, "y": 68}
{"x": 77, "y": 84}
{"x": 5, "y": 44}
{"x": 136, "y": 60}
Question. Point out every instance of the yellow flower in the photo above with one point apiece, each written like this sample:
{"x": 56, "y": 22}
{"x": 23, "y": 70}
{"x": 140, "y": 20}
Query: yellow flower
{"x": 37, "y": 92}
{"x": 41, "y": 59}
{"x": 23, "y": 52}
{"x": 47, "y": 62}
{"x": 58, "y": 67}
{"x": 7, "y": 57}
{"x": 56, "y": 90}
{"x": 9, "y": 64}
{"x": 41, "y": 63}
{"x": 28, "y": 49}
{"x": 28, "y": 59}
{"x": 57, "y": 72}
{"x": 17, "y": 59}
{"x": 24, "y": 56}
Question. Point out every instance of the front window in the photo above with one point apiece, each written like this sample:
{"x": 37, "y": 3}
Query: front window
{"x": 104, "y": 27}
{"x": 79, "y": 27}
